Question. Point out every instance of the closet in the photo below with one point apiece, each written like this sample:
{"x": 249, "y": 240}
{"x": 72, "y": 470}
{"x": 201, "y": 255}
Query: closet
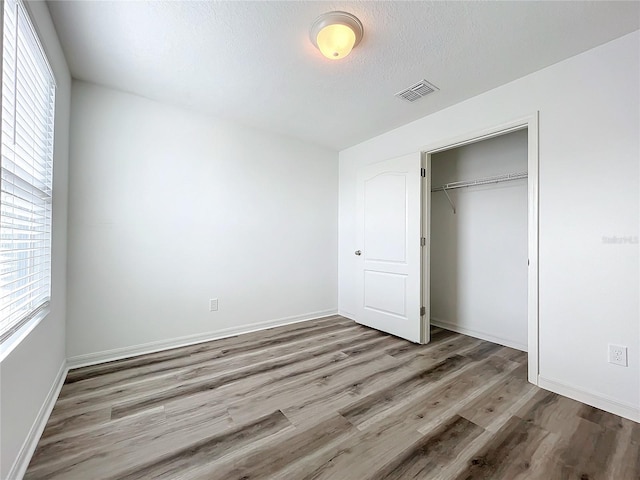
{"x": 478, "y": 244}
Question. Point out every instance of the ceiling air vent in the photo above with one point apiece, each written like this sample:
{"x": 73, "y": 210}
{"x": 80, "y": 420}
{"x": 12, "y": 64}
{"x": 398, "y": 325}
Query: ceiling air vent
{"x": 417, "y": 91}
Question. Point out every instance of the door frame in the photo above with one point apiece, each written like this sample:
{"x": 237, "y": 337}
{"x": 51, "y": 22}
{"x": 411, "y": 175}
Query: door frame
{"x": 529, "y": 122}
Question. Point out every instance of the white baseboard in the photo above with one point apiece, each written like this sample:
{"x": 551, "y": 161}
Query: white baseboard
{"x": 21, "y": 463}
{"x": 481, "y": 335}
{"x": 348, "y": 315}
{"x": 158, "y": 346}
{"x": 594, "y": 399}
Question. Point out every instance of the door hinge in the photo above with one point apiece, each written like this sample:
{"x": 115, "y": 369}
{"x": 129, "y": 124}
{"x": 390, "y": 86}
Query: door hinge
{"x": 423, "y": 172}
{"x": 423, "y": 241}
{"x": 423, "y": 311}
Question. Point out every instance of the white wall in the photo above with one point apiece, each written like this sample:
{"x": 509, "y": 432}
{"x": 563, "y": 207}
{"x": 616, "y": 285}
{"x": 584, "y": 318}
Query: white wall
{"x": 479, "y": 254}
{"x": 169, "y": 208}
{"x": 589, "y": 189}
{"x": 31, "y": 370}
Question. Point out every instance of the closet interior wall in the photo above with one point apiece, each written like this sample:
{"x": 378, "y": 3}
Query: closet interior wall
{"x": 479, "y": 253}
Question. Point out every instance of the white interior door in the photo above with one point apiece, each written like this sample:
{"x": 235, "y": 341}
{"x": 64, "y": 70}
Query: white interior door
{"x": 426, "y": 250}
{"x": 389, "y": 263}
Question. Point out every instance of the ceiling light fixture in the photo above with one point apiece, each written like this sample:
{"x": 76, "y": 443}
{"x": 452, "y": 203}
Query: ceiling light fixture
{"x": 336, "y": 33}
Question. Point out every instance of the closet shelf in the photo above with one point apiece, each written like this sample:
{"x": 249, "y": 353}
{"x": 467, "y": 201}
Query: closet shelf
{"x": 482, "y": 181}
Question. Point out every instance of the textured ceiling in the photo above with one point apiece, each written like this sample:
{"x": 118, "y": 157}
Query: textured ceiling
{"x": 253, "y": 63}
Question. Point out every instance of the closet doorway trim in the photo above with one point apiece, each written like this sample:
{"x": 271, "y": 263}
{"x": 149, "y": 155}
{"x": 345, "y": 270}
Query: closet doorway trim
{"x": 529, "y": 122}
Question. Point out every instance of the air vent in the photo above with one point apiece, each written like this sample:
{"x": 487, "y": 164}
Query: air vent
{"x": 417, "y": 91}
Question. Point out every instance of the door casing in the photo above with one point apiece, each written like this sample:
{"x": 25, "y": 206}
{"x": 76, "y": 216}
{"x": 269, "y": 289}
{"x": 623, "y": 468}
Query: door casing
{"x": 530, "y": 123}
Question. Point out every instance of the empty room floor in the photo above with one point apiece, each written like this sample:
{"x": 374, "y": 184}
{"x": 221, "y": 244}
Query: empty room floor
{"x": 327, "y": 399}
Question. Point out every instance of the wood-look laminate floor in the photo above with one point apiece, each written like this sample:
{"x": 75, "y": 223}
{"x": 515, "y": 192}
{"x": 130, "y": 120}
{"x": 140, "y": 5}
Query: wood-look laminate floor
{"x": 327, "y": 399}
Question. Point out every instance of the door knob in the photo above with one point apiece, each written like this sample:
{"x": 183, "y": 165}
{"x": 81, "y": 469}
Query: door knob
{"x": 358, "y": 252}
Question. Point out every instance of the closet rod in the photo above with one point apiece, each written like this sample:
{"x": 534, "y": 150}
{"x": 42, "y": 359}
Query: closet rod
{"x": 482, "y": 181}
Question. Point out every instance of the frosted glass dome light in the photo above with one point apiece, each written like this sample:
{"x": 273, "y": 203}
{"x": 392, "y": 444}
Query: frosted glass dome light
{"x": 336, "y": 33}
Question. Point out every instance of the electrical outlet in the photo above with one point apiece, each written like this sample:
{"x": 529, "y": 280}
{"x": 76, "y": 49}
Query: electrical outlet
{"x": 213, "y": 305}
{"x": 618, "y": 355}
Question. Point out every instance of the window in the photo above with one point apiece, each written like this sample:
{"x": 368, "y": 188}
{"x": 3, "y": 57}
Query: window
{"x": 26, "y": 164}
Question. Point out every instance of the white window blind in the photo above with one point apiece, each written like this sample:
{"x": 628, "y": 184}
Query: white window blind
{"x": 28, "y": 98}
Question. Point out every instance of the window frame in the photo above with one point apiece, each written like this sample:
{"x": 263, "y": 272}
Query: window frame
{"x": 19, "y": 329}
